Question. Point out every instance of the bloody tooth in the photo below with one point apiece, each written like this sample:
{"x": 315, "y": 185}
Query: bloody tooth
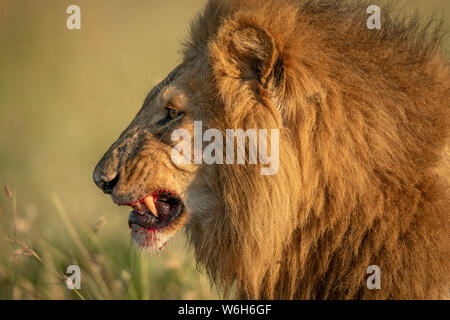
{"x": 150, "y": 204}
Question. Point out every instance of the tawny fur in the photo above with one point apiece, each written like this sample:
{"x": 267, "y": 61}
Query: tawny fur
{"x": 364, "y": 162}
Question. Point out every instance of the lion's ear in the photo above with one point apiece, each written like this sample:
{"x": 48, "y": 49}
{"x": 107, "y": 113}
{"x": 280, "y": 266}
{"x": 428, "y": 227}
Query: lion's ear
{"x": 248, "y": 53}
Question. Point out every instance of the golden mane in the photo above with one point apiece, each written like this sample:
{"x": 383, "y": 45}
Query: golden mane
{"x": 364, "y": 119}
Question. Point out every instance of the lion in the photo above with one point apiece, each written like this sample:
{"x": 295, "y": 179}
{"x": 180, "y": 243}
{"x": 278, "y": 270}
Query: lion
{"x": 363, "y": 179}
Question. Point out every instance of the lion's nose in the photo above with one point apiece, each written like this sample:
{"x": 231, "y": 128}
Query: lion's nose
{"x": 107, "y": 185}
{"x": 105, "y": 180}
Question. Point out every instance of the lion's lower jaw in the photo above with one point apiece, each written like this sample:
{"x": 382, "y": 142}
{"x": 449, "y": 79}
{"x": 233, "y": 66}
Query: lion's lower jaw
{"x": 149, "y": 240}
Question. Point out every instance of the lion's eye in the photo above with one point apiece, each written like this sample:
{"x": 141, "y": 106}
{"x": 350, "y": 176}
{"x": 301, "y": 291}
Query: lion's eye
{"x": 172, "y": 113}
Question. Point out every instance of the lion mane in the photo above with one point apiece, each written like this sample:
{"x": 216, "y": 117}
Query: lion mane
{"x": 364, "y": 160}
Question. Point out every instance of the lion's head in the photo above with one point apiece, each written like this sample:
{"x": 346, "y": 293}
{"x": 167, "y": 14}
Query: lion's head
{"x": 138, "y": 170}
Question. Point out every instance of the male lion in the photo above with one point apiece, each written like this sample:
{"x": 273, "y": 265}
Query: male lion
{"x": 363, "y": 120}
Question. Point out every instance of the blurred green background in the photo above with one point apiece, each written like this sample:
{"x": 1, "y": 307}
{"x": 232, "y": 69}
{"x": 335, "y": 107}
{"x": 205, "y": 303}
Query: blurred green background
{"x": 65, "y": 96}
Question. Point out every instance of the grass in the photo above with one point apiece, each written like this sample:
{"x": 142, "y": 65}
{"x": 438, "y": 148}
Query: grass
{"x": 65, "y": 96}
{"x": 111, "y": 268}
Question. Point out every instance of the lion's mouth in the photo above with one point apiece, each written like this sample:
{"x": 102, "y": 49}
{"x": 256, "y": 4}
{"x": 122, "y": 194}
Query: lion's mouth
{"x": 156, "y": 211}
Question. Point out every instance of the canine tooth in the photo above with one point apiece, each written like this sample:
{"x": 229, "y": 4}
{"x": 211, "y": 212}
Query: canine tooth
{"x": 150, "y": 204}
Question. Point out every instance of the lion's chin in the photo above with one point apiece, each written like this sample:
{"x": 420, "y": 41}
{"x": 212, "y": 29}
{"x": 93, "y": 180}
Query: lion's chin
{"x": 153, "y": 240}
{"x": 149, "y": 240}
